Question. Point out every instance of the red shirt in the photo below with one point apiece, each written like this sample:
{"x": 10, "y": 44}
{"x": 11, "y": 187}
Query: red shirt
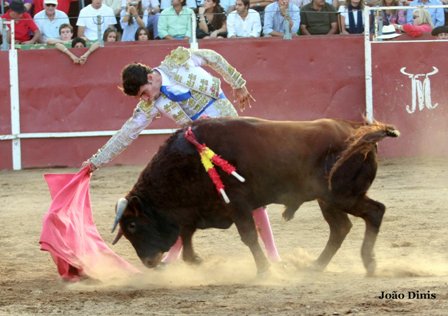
{"x": 24, "y": 28}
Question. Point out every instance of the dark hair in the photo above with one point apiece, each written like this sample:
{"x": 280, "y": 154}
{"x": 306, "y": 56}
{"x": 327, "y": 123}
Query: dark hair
{"x": 65, "y": 26}
{"x": 219, "y": 16}
{"x": 79, "y": 40}
{"x": 246, "y": 3}
{"x": 111, "y": 29}
{"x": 141, "y": 28}
{"x": 134, "y": 76}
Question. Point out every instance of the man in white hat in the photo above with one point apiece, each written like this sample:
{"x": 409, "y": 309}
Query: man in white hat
{"x": 49, "y": 20}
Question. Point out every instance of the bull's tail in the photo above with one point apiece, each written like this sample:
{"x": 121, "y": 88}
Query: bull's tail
{"x": 351, "y": 172}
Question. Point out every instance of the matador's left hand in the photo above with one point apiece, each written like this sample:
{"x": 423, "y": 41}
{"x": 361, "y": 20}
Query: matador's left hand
{"x": 243, "y": 97}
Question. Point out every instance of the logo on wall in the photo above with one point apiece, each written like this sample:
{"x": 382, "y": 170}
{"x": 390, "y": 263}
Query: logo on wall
{"x": 421, "y": 90}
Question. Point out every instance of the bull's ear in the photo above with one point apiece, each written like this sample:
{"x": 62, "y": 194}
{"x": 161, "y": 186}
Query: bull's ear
{"x": 135, "y": 206}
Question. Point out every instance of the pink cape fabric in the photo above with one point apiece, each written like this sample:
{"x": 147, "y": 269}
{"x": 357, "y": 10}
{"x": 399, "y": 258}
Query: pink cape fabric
{"x": 70, "y": 235}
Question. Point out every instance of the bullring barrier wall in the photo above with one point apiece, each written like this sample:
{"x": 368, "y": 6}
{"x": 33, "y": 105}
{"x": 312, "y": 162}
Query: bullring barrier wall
{"x": 301, "y": 79}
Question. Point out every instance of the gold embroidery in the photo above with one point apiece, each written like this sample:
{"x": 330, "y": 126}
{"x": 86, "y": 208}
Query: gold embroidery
{"x": 177, "y": 57}
{"x": 146, "y": 106}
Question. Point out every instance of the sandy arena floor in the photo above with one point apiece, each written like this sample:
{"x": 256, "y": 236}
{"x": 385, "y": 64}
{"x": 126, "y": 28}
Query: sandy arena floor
{"x": 412, "y": 255}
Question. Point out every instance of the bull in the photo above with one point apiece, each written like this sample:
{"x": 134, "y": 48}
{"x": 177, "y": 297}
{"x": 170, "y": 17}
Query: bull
{"x": 328, "y": 160}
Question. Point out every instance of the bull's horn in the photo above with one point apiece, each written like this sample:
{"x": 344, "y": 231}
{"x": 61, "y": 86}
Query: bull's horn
{"x": 119, "y": 209}
{"x": 117, "y": 238}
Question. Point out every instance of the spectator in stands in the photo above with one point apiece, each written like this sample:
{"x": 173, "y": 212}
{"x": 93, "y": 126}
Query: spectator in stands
{"x": 65, "y": 35}
{"x": 115, "y": 5}
{"x": 175, "y": 21}
{"x": 437, "y": 14}
{"x": 63, "y": 5}
{"x": 243, "y": 22}
{"x": 111, "y": 35}
{"x": 318, "y": 18}
{"x": 211, "y": 21}
{"x": 132, "y": 17}
{"x": 260, "y": 6}
{"x": 142, "y": 34}
{"x": 153, "y": 17}
{"x": 351, "y": 15}
{"x": 422, "y": 23}
{"x": 302, "y": 3}
{"x": 78, "y": 42}
{"x": 88, "y": 22}
{"x": 280, "y": 15}
{"x": 192, "y": 4}
{"x": 441, "y": 32}
{"x": 393, "y": 16}
{"x": 49, "y": 20}
{"x": 26, "y": 31}
{"x": 27, "y": 3}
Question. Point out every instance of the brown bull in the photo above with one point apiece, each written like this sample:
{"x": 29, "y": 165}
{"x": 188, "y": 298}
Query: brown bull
{"x": 289, "y": 163}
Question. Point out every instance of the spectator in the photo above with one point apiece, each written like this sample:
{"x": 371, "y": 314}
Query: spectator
{"x": 142, "y": 34}
{"x": 302, "y": 3}
{"x": 88, "y": 22}
{"x": 441, "y": 32}
{"x": 111, "y": 35}
{"x": 115, "y": 5}
{"x": 422, "y": 23}
{"x": 278, "y": 16}
{"x": 211, "y": 21}
{"x": 192, "y": 4}
{"x": 26, "y": 31}
{"x": 153, "y": 17}
{"x": 78, "y": 42}
{"x": 175, "y": 21}
{"x": 27, "y": 3}
{"x": 243, "y": 22}
{"x": 63, "y": 5}
{"x": 437, "y": 14}
{"x": 49, "y": 20}
{"x": 65, "y": 35}
{"x": 318, "y": 18}
{"x": 132, "y": 17}
{"x": 351, "y": 17}
{"x": 392, "y": 16}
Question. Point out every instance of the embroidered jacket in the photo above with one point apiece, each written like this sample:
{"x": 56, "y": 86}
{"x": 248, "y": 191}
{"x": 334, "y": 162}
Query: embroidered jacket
{"x": 184, "y": 68}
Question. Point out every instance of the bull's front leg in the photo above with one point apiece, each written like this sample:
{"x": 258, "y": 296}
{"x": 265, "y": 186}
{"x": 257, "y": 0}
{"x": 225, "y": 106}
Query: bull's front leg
{"x": 188, "y": 253}
{"x": 248, "y": 233}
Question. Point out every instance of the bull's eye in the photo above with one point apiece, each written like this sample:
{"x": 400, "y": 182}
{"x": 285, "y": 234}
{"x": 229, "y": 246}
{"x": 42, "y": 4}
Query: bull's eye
{"x": 132, "y": 227}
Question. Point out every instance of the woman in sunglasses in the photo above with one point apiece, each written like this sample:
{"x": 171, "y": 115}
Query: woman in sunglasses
{"x": 422, "y": 23}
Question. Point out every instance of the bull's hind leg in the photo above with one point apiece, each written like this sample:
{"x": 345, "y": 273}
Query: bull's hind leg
{"x": 245, "y": 224}
{"x": 372, "y": 212}
{"x": 340, "y": 226}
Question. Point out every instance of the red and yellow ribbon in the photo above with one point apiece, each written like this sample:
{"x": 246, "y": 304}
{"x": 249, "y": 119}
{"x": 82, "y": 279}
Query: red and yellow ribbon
{"x": 209, "y": 159}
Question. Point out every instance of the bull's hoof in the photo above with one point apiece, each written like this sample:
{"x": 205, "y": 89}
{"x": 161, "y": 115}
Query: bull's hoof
{"x": 195, "y": 260}
{"x": 371, "y": 268}
{"x": 316, "y": 266}
{"x": 287, "y": 215}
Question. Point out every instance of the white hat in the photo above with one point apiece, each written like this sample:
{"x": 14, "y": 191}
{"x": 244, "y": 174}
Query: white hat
{"x": 388, "y": 31}
{"x": 55, "y": 2}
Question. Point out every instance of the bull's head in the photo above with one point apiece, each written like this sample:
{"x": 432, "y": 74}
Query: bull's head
{"x": 150, "y": 233}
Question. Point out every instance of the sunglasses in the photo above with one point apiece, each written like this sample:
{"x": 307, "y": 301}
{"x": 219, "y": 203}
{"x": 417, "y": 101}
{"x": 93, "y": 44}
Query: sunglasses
{"x": 415, "y": 17}
{"x": 50, "y": 5}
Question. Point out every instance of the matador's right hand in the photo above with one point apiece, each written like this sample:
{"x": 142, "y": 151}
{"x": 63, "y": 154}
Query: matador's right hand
{"x": 88, "y": 163}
